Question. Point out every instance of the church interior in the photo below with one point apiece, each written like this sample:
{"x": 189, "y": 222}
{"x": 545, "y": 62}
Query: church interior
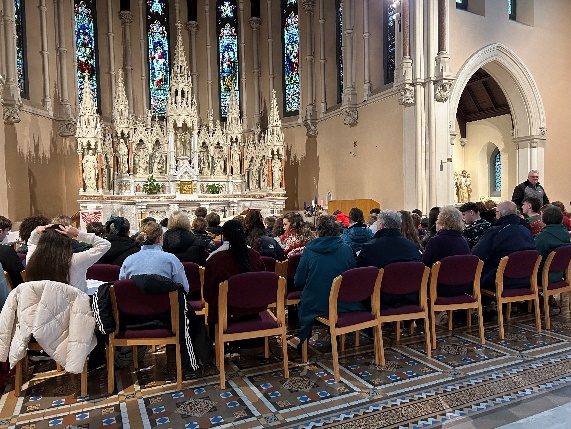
{"x": 272, "y": 104}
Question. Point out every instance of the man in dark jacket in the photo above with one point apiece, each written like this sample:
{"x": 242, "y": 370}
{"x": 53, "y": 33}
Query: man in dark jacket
{"x": 530, "y": 188}
{"x": 506, "y": 236}
{"x": 553, "y": 235}
{"x": 388, "y": 246}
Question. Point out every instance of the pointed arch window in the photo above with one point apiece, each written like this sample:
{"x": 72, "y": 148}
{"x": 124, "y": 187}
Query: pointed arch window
{"x": 228, "y": 65}
{"x": 496, "y": 173}
{"x": 512, "y": 9}
{"x": 86, "y": 48}
{"x": 339, "y": 31}
{"x": 389, "y": 41}
{"x": 158, "y": 52}
{"x": 290, "y": 39}
{"x": 21, "y": 57}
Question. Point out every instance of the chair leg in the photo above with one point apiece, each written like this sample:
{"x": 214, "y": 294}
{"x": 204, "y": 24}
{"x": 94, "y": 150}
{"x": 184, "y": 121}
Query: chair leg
{"x": 216, "y": 345}
{"x": 501, "y": 320}
{"x": 397, "y": 332}
{"x": 335, "y": 355}
{"x": 509, "y": 311}
{"x": 537, "y": 314}
{"x": 18, "y": 377}
{"x": 381, "y": 345}
{"x": 450, "y": 320}
{"x": 469, "y": 318}
{"x": 356, "y": 338}
{"x": 481, "y": 324}
{"x": 136, "y": 357}
{"x": 546, "y": 311}
{"x": 221, "y": 366}
{"x": 284, "y": 354}
{"x": 178, "y": 367}
{"x": 432, "y": 327}
{"x": 411, "y": 328}
{"x": 342, "y": 342}
{"x": 267, "y": 347}
{"x": 427, "y": 335}
{"x": 83, "y": 382}
{"x": 110, "y": 369}
{"x": 304, "y": 350}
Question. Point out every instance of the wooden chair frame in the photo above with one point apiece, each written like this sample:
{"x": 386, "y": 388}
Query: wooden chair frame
{"x": 397, "y": 318}
{"x": 134, "y": 342}
{"x": 547, "y": 293}
{"x": 222, "y": 326}
{"x": 204, "y": 310}
{"x": 434, "y": 308}
{"x": 8, "y": 281}
{"x": 333, "y": 318}
{"x": 532, "y": 297}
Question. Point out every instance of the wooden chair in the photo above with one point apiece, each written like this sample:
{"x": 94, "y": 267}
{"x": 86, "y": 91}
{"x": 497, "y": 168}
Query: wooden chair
{"x": 251, "y": 292}
{"x": 293, "y": 295}
{"x": 103, "y": 272}
{"x": 406, "y": 278}
{"x": 558, "y": 261}
{"x": 353, "y": 285}
{"x": 521, "y": 265}
{"x": 8, "y": 281}
{"x": 128, "y": 299}
{"x": 195, "y": 276}
{"x": 455, "y": 285}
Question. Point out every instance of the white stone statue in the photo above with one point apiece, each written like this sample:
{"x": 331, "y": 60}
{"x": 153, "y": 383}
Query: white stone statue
{"x": 276, "y": 172}
{"x": 264, "y": 174}
{"x": 141, "y": 161}
{"x": 218, "y": 167}
{"x": 123, "y": 157}
{"x": 90, "y": 171}
{"x": 235, "y": 163}
{"x": 159, "y": 164}
{"x": 252, "y": 175}
{"x": 203, "y": 161}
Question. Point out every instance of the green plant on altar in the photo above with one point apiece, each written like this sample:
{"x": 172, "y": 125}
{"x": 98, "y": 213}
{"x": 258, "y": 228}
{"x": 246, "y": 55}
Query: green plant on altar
{"x": 214, "y": 188}
{"x": 151, "y": 186}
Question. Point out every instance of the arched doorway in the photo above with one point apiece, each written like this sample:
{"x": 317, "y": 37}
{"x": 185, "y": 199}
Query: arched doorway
{"x": 516, "y": 128}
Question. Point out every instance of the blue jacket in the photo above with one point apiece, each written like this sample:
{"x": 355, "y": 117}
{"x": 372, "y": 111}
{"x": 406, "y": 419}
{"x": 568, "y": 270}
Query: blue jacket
{"x": 322, "y": 260}
{"x": 357, "y": 235}
{"x": 387, "y": 246}
{"x": 506, "y": 236}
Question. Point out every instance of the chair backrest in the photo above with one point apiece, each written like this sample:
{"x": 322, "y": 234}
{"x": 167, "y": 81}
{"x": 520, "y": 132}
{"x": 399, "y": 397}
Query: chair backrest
{"x": 8, "y": 280}
{"x": 457, "y": 270}
{"x": 217, "y": 243}
{"x": 561, "y": 259}
{"x": 357, "y": 284}
{"x": 252, "y": 290}
{"x": 22, "y": 257}
{"x": 521, "y": 264}
{"x": 103, "y": 272}
{"x": 403, "y": 277}
{"x": 194, "y": 275}
{"x": 131, "y": 300}
{"x": 269, "y": 262}
{"x": 292, "y": 263}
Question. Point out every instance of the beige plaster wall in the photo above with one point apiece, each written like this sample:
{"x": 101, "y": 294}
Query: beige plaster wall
{"x": 544, "y": 48}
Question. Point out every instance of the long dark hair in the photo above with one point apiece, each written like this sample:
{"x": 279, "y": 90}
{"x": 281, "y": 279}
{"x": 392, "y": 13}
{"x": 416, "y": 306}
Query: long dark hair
{"x": 52, "y": 258}
{"x": 233, "y": 232}
{"x": 254, "y": 226}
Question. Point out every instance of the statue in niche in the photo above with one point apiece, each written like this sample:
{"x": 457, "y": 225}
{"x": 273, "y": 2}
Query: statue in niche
{"x": 203, "y": 166}
{"x": 183, "y": 144}
{"x": 236, "y": 163}
{"x": 264, "y": 174}
{"x": 159, "y": 164}
{"x": 463, "y": 185}
{"x": 218, "y": 162}
{"x": 90, "y": 171}
{"x": 252, "y": 175}
{"x": 142, "y": 160}
{"x": 276, "y": 172}
{"x": 123, "y": 157}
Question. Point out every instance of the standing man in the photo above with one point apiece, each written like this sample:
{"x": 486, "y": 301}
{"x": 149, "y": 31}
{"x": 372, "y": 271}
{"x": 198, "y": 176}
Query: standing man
{"x": 475, "y": 225}
{"x": 530, "y": 188}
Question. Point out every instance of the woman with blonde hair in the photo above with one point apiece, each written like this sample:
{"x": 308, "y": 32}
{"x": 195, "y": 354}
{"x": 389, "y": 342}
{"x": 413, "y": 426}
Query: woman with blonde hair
{"x": 448, "y": 240}
{"x": 180, "y": 240}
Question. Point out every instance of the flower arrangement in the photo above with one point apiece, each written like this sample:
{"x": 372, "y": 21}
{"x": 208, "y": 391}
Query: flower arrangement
{"x": 151, "y": 186}
{"x": 214, "y": 188}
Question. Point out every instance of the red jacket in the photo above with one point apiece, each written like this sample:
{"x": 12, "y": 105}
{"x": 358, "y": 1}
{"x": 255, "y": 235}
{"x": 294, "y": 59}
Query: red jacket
{"x": 343, "y": 218}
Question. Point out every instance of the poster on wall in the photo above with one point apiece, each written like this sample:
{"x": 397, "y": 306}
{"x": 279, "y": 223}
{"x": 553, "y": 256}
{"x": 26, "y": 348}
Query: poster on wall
{"x": 87, "y": 216}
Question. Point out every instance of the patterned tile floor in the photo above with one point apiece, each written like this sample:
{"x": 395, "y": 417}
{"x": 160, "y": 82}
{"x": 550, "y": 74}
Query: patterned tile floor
{"x": 462, "y": 380}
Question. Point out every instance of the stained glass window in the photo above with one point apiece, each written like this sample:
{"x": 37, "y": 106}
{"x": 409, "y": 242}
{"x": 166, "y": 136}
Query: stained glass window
{"x": 21, "y": 59}
{"x": 339, "y": 28}
{"x": 512, "y": 9}
{"x": 228, "y": 66}
{"x": 495, "y": 173}
{"x": 290, "y": 38}
{"x": 158, "y": 51}
{"x": 86, "y": 47}
{"x": 462, "y": 4}
{"x": 389, "y": 42}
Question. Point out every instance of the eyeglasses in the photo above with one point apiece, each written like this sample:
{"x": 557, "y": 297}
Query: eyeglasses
{"x": 534, "y": 177}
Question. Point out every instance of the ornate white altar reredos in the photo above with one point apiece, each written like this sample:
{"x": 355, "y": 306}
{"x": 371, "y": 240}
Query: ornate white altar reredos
{"x": 196, "y": 163}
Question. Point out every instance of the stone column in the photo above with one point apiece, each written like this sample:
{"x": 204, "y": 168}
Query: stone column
{"x": 255, "y": 23}
{"x": 310, "y": 116}
{"x": 270, "y": 47}
{"x": 366, "y": 51}
{"x": 110, "y": 41}
{"x": 67, "y": 122}
{"x": 349, "y": 92}
{"x": 529, "y": 155}
{"x": 208, "y": 55}
{"x": 242, "y": 56}
{"x": 322, "y": 59}
{"x": 126, "y": 18}
{"x": 443, "y": 73}
{"x": 192, "y": 27}
{"x": 144, "y": 58}
{"x": 11, "y": 91}
{"x": 46, "y": 99}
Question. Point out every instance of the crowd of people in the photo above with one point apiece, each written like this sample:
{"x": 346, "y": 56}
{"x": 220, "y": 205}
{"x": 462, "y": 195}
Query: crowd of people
{"x": 55, "y": 250}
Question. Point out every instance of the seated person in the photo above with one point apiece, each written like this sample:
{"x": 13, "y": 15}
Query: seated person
{"x": 96, "y": 228}
{"x": 323, "y": 259}
{"x": 430, "y": 228}
{"x": 181, "y": 242}
{"x": 408, "y": 228}
{"x": 257, "y": 239}
{"x": 26, "y": 227}
{"x": 122, "y": 245}
{"x": 475, "y": 225}
{"x": 77, "y": 246}
{"x": 448, "y": 240}
{"x": 553, "y": 235}
{"x": 201, "y": 237}
{"x": 214, "y": 229}
{"x": 530, "y": 207}
{"x": 8, "y": 256}
{"x": 357, "y": 233}
{"x": 296, "y": 235}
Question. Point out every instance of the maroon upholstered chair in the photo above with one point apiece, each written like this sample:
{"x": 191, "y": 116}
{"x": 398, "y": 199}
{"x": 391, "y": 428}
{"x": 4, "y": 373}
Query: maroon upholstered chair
{"x": 251, "y": 293}
{"x": 521, "y": 265}
{"x": 128, "y": 299}
{"x": 22, "y": 257}
{"x": 103, "y": 272}
{"x": 405, "y": 278}
{"x": 293, "y": 295}
{"x": 195, "y": 276}
{"x": 558, "y": 261}
{"x": 455, "y": 285}
{"x": 353, "y": 285}
{"x": 270, "y": 263}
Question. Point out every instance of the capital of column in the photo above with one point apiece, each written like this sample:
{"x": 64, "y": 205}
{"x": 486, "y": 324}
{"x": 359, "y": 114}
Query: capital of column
{"x": 126, "y": 16}
{"x": 308, "y": 5}
{"x": 463, "y": 141}
{"x": 255, "y": 23}
{"x": 191, "y": 26}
